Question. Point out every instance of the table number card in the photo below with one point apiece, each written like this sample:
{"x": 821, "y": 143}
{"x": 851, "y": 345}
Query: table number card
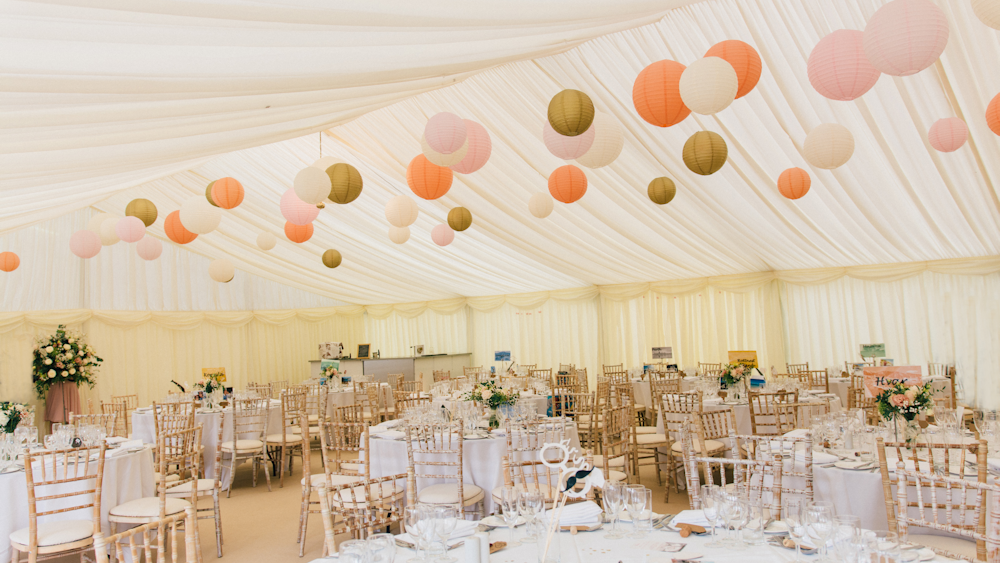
{"x": 878, "y": 378}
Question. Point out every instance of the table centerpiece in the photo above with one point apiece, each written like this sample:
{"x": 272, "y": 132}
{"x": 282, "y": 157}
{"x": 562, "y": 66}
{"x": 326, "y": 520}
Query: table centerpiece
{"x": 901, "y": 405}
{"x": 62, "y": 362}
{"x": 491, "y": 395}
{"x": 211, "y": 389}
{"x": 735, "y": 377}
{"x": 11, "y": 415}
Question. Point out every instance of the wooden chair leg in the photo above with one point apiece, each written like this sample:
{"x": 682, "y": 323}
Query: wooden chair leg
{"x": 218, "y": 524}
{"x": 304, "y": 518}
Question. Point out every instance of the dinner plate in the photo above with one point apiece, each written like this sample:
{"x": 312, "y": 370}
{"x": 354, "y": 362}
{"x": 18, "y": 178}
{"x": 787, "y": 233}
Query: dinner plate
{"x": 854, "y": 465}
{"x": 474, "y": 437}
{"x": 498, "y": 522}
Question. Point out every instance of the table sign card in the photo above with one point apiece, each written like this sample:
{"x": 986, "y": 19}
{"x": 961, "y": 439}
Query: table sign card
{"x": 663, "y": 353}
{"x": 873, "y": 350}
{"x": 746, "y": 358}
{"x": 330, "y": 350}
{"x": 501, "y": 356}
{"x": 218, "y": 373}
{"x": 882, "y": 377}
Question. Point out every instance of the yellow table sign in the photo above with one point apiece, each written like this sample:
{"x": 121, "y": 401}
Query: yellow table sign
{"x": 746, "y": 358}
{"x": 219, "y": 374}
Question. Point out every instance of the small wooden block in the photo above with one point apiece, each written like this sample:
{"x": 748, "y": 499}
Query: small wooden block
{"x": 572, "y": 530}
{"x": 497, "y": 546}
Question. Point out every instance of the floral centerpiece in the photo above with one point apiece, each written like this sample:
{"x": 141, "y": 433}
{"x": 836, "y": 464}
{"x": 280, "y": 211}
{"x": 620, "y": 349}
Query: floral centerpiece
{"x": 330, "y": 372}
{"x": 11, "y": 414}
{"x": 732, "y": 374}
{"x": 63, "y": 357}
{"x": 209, "y": 384}
{"x": 493, "y": 396}
{"x": 902, "y": 404}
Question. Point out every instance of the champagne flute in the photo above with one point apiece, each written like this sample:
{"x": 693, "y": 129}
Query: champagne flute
{"x": 611, "y": 497}
{"x": 508, "y": 500}
{"x": 710, "y": 507}
{"x": 635, "y": 501}
{"x": 412, "y": 519}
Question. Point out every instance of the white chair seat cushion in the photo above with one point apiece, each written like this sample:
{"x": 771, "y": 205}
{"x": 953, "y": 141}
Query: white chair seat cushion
{"x": 313, "y": 418}
{"x": 243, "y": 445}
{"x": 313, "y": 431}
{"x": 355, "y": 467}
{"x": 149, "y": 507}
{"x": 170, "y": 478}
{"x": 646, "y": 430}
{"x": 320, "y": 479}
{"x": 958, "y": 546}
{"x": 547, "y": 491}
{"x": 711, "y": 445}
{"x": 56, "y": 533}
{"x": 613, "y": 462}
{"x": 616, "y": 476}
{"x": 646, "y": 439}
{"x": 204, "y": 486}
{"x": 359, "y": 495}
{"x": 289, "y": 439}
{"x": 447, "y": 493}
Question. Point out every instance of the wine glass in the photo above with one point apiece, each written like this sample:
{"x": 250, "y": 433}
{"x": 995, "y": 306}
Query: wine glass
{"x": 791, "y": 515}
{"x": 845, "y": 529}
{"x": 445, "y": 520}
{"x": 635, "y": 501}
{"x": 382, "y": 548}
{"x": 753, "y": 531}
{"x": 710, "y": 507}
{"x": 413, "y": 520}
{"x": 819, "y": 521}
{"x": 508, "y": 500}
{"x": 529, "y": 505}
{"x": 353, "y": 551}
{"x": 612, "y": 498}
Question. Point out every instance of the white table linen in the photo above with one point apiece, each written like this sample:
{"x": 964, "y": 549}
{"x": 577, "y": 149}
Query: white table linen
{"x": 540, "y": 403}
{"x": 345, "y": 396}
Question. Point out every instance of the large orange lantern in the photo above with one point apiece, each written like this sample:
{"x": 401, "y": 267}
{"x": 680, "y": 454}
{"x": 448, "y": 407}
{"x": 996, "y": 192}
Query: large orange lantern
{"x": 426, "y": 179}
{"x": 745, "y": 61}
{"x": 568, "y": 183}
{"x": 298, "y": 233}
{"x": 9, "y": 261}
{"x": 656, "y": 94}
{"x": 993, "y": 114}
{"x": 794, "y": 183}
{"x": 227, "y": 193}
{"x": 176, "y": 231}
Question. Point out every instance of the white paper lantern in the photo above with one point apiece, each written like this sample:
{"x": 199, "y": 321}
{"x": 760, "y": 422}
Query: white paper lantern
{"x": 149, "y": 248}
{"x": 294, "y": 210}
{"x": 445, "y": 132}
{"x": 108, "y": 234}
{"x": 85, "y": 243}
{"x": 95, "y": 222}
{"x": 266, "y": 241}
{"x": 828, "y": 146}
{"x": 567, "y": 148}
{"x": 608, "y": 142}
{"x": 401, "y": 211}
{"x": 540, "y": 205}
{"x": 442, "y": 159}
{"x": 904, "y": 37}
{"x": 325, "y": 162}
{"x": 709, "y": 85}
{"x": 312, "y": 185}
{"x": 130, "y": 229}
{"x": 442, "y": 235}
{"x": 399, "y": 235}
{"x": 199, "y": 216}
{"x": 948, "y": 134}
{"x": 222, "y": 270}
{"x": 988, "y": 12}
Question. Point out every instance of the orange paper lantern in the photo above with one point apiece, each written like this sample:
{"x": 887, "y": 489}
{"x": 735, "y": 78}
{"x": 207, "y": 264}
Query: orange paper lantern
{"x": 794, "y": 183}
{"x": 656, "y": 94}
{"x": 568, "y": 183}
{"x": 745, "y": 61}
{"x": 426, "y": 179}
{"x": 176, "y": 231}
{"x": 227, "y": 193}
{"x": 993, "y": 114}
{"x": 9, "y": 261}
{"x": 298, "y": 233}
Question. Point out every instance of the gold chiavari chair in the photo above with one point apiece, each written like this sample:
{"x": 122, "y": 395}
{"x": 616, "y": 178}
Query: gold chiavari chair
{"x": 798, "y": 368}
{"x": 250, "y": 418}
{"x": 543, "y": 374}
{"x": 395, "y": 379}
{"x": 651, "y": 446}
{"x": 857, "y": 398}
{"x": 818, "y": 380}
{"x": 411, "y": 402}
{"x": 317, "y": 399}
{"x": 472, "y": 372}
{"x": 106, "y": 421}
{"x": 435, "y": 451}
{"x": 709, "y": 369}
{"x": 129, "y": 404}
{"x": 441, "y": 375}
{"x": 277, "y": 387}
{"x": 789, "y": 416}
{"x": 528, "y": 367}
{"x": 357, "y": 515}
{"x": 262, "y": 390}
{"x": 608, "y": 370}
{"x": 521, "y": 464}
{"x": 578, "y": 407}
{"x": 616, "y": 457}
{"x": 798, "y": 451}
{"x": 284, "y": 445}
{"x": 567, "y": 381}
{"x": 115, "y": 544}
{"x": 210, "y": 487}
{"x": 762, "y": 421}
{"x": 118, "y": 410}
{"x": 410, "y": 387}
{"x": 675, "y": 409}
{"x": 581, "y": 375}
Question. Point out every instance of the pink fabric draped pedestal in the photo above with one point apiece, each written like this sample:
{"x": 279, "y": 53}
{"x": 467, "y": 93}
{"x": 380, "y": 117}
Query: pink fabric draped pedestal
{"x": 63, "y": 398}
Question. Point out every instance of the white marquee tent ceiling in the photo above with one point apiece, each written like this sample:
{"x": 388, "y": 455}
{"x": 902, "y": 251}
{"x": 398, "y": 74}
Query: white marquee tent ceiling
{"x": 140, "y": 127}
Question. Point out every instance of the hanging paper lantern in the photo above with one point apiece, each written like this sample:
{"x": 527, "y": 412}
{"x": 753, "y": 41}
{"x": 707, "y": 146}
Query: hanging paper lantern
{"x": 199, "y": 217}
{"x": 567, "y": 148}
{"x": 311, "y": 185}
{"x": 540, "y": 205}
{"x": 459, "y": 219}
{"x": 332, "y": 258}
{"x": 993, "y": 114}
{"x": 988, "y": 12}
{"x": 661, "y": 190}
{"x": 480, "y": 148}
{"x": 838, "y": 68}
{"x": 85, "y": 244}
{"x": 656, "y": 94}
{"x": 149, "y": 248}
{"x": 208, "y": 194}
{"x": 445, "y": 132}
{"x": 298, "y": 233}
{"x": 143, "y": 209}
{"x": 442, "y": 235}
{"x": 95, "y": 222}
{"x": 130, "y": 229}
{"x": 222, "y": 270}
{"x": 794, "y": 183}
{"x": 325, "y": 162}
{"x": 296, "y": 211}
{"x": 442, "y": 159}
{"x": 176, "y": 231}
{"x": 345, "y": 183}
{"x": 109, "y": 234}
{"x": 948, "y": 134}
{"x": 399, "y": 235}
{"x": 705, "y": 152}
{"x": 828, "y": 146}
{"x": 266, "y": 241}
{"x": 401, "y": 211}
{"x": 709, "y": 85}
{"x": 904, "y": 37}
{"x": 9, "y": 261}
{"x": 227, "y": 193}
{"x": 567, "y": 183}
{"x": 744, "y": 60}
{"x": 571, "y": 112}
{"x": 609, "y": 139}
{"x": 426, "y": 179}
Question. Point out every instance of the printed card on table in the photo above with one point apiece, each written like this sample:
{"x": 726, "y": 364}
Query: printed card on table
{"x": 746, "y": 358}
{"x": 878, "y": 378}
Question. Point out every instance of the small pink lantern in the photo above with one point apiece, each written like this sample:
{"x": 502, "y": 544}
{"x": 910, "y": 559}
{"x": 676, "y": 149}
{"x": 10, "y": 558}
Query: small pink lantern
{"x": 445, "y": 132}
{"x": 296, "y": 211}
{"x": 85, "y": 243}
{"x": 904, "y": 37}
{"x": 948, "y": 134}
{"x": 149, "y": 248}
{"x": 442, "y": 235}
{"x": 480, "y": 148}
{"x": 130, "y": 229}
{"x": 838, "y": 68}
{"x": 567, "y": 148}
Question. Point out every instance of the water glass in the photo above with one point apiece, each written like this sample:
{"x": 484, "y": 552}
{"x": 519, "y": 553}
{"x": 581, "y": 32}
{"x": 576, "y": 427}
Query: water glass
{"x": 883, "y": 545}
{"x": 552, "y": 543}
{"x": 845, "y": 530}
{"x": 613, "y": 499}
{"x": 529, "y": 505}
{"x": 753, "y": 531}
{"x": 710, "y": 507}
{"x": 413, "y": 521}
{"x": 354, "y": 551}
{"x": 382, "y": 548}
{"x": 819, "y": 522}
{"x": 635, "y": 501}
{"x": 641, "y": 511}
{"x": 792, "y": 511}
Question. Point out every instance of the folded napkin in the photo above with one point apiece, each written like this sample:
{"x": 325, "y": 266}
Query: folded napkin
{"x": 124, "y": 448}
{"x": 579, "y": 514}
{"x": 712, "y": 401}
{"x": 144, "y": 409}
{"x": 110, "y": 440}
{"x": 819, "y": 458}
{"x": 696, "y": 517}
{"x": 392, "y": 435}
{"x": 463, "y": 528}
{"x": 797, "y": 433}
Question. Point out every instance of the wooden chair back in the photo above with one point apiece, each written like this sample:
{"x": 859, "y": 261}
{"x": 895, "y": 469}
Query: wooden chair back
{"x": 293, "y": 406}
{"x": 119, "y": 410}
{"x": 410, "y": 387}
{"x": 441, "y": 375}
{"x": 798, "y": 368}
{"x": 543, "y": 374}
{"x": 250, "y": 417}
{"x": 762, "y": 415}
{"x": 616, "y": 440}
{"x": 263, "y": 390}
{"x": 138, "y": 541}
{"x": 472, "y": 372}
{"x": 411, "y": 402}
{"x": 360, "y": 509}
{"x": 709, "y": 369}
{"x": 522, "y": 466}
{"x": 796, "y": 450}
{"x": 349, "y": 413}
{"x": 345, "y": 449}
{"x": 395, "y": 379}
{"x": 106, "y": 421}
{"x": 172, "y": 416}
{"x": 818, "y": 380}
{"x": 676, "y": 408}
{"x": 317, "y": 398}
{"x": 436, "y": 451}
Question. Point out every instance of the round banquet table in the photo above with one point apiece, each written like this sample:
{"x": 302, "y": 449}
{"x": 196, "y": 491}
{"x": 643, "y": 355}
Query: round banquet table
{"x": 539, "y": 403}
{"x": 345, "y": 396}
{"x": 741, "y": 411}
{"x": 127, "y": 477}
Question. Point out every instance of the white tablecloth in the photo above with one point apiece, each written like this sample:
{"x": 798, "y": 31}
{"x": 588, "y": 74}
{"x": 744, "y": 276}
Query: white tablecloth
{"x": 126, "y": 477}
{"x": 538, "y": 402}
{"x": 344, "y": 397}
{"x": 840, "y": 385}
{"x": 742, "y": 413}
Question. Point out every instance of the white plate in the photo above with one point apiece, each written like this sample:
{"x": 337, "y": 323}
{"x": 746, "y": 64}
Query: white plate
{"x": 499, "y": 523}
{"x": 854, "y": 465}
{"x": 776, "y": 527}
{"x": 927, "y": 554}
{"x": 474, "y": 437}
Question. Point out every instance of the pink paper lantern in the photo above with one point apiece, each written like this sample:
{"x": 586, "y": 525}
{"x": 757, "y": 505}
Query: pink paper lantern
{"x": 838, "y": 68}
{"x": 948, "y": 134}
{"x": 904, "y": 37}
{"x": 85, "y": 243}
{"x": 445, "y": 132}
{"x": 567, "y": 148}
{"x": 296, "y": 211}
{"x": 480, "y": 148}
{"x": 130, "y": 229}
{"x": 442, "y": 235}
{"x": 149, "y": 248}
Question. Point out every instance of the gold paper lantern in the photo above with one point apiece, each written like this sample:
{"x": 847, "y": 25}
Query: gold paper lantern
{"x": 705, "y": 152}
{"x": 571, "y": 112}
{"x": 143, "y": 209}
{"x": 208, "y": 194}
{"x": 332, "y": 258}
{"x": 661, "y": 190}
{"x": 345, "y": 182}
{"x": 459, "y": 219}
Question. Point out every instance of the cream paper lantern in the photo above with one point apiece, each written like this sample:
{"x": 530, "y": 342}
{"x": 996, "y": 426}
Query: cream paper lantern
{"x": 325, "y": 162}
{"x": 312, "y": 185}
{"x": 266, "y": 241}
{"x": 149, "y": 248}
{"x": 108, "y": 234}
{"x": 828, "y": 146}
{"x": 399, "y": 235}
{"x": 988, "y": 12}
{"x": 95, "y": 222}
{"x": 609, "y": 139}
{"x": 401, "y": 211}
{"x": 199, "y": 216}
{"x": 540, "y": 205}
{"x": 709, "y": 85}
{"x": 442, "y": 159}
{"x": 222, "y": 270}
